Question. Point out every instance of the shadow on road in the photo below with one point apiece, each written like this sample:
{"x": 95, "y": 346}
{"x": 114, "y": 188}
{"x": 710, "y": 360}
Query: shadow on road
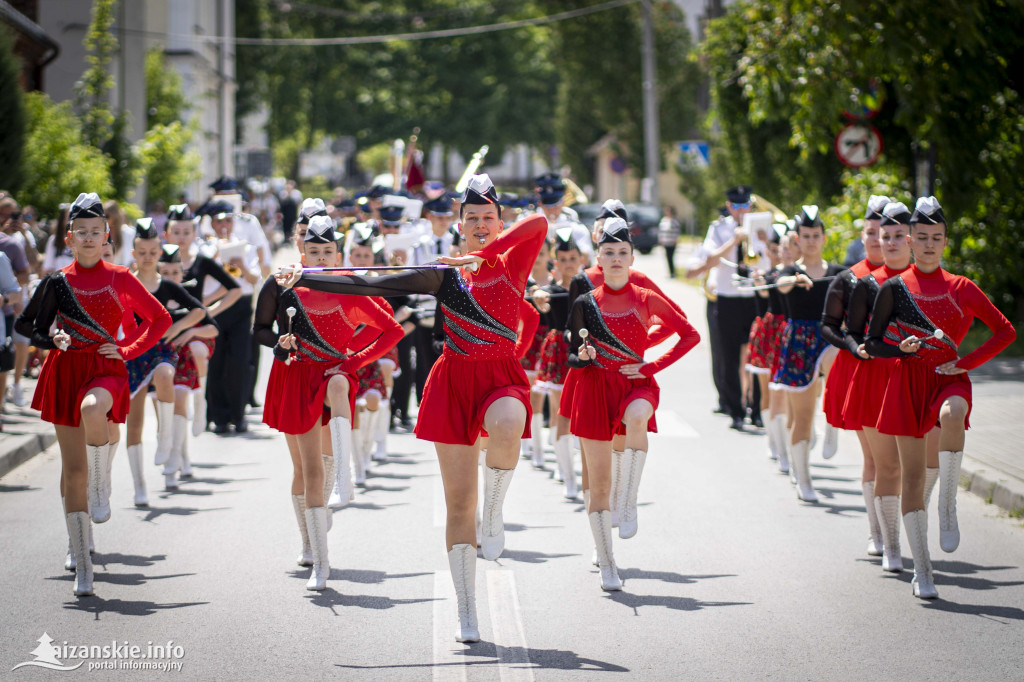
{"x": 156, "y": 512}
{"x": 527, "y": 557}
{"x": 519, "y": 527}
{"x": 635, "y": 601}
{"x": 668, "y": 577}
{"x": 984, "y": 610}
{"x": 16, "y": 488}
{"x": 354, "y": 576}
{"x": 331, "y": 598}
{"x": 98, "y": 606}
{"x": 960, "y": 571}
{"x": 126, "y": 559}
{"x": 540, "y": 659}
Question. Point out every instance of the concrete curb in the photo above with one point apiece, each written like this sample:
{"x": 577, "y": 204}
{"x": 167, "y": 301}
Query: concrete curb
{"x": 993, "y": 486}
{"x": 20, "y": 449}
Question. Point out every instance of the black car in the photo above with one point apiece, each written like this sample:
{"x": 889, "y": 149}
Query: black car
{"x": 643, "y": 222}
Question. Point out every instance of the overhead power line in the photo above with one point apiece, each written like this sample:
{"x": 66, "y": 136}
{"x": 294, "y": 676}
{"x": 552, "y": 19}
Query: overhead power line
{"x": 417, "y": 35}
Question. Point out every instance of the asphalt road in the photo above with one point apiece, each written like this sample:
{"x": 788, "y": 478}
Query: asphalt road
{"x": 730, "y": 577}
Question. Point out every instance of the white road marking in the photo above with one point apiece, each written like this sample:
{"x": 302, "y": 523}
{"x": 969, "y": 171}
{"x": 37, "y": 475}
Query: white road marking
{"x": 507, "y": 624}
{"x": 671, "y": 424}
{"x": 448, "y": 666}
{"x": 440, "y": 508}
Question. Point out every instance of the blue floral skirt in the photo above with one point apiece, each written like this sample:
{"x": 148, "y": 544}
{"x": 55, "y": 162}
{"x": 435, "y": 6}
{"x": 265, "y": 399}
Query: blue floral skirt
{"x": 800, "y": 355}
{"x": 140, "y": 369}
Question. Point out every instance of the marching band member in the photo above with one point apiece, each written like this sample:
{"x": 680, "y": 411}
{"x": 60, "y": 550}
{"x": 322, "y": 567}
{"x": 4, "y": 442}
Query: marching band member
{"x": 834, "y": 326}
{"x": 84, "y": 378}
{"x": 804, "y": 353}
{"x": 616, "y": 392}
{"x": 313, "y": 372}
{"x": 157, "y": 365}
{"x": 477, "y": 384}
{"x": 867, "y": 389}
{"x": 540, "y": 277}
{"x": 929, "y": 384}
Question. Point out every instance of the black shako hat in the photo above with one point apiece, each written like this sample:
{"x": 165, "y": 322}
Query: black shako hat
{"x": 144, "y": 229}
{"x": 225, "y": 184}
{"x": 564, "y": 240}
{"x": 179, "y": 212}
{"x": 740, "y": 194}
{"x": 615, "y": 230}
{"x": 219, "y": 209}
{"x": 170, "y": 253}
{"x": 928, "y": 212}
{"x": 311, "y": 207}
{"x": 361, "y": 235}
{"x": 480, "y": 191}
{"x": 612, "y": 207}
{"x": 876, "y": 204}
{"x": 86, "y": 206}
{"x": 809, "y": 217}
{"x": 895, "y": 213}
{"x": 320, "y": 230}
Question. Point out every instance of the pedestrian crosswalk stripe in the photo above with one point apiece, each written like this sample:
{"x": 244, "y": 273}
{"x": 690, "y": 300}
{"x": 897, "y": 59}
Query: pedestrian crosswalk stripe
{"x": 449, "y": 663}
{"x": 671, "y": 424}
{"x": 507, "y": 624}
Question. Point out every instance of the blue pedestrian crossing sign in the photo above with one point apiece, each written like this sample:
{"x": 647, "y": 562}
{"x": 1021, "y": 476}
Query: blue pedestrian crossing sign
{"x": 695, "y": 154}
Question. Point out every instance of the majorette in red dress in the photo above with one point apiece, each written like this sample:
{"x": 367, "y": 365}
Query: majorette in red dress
{"x": 917, "y": 303}
{"x": 867, "y": 385}
{"x": 482, "y": 312}
{"x": 833, "y": 330}
{"x": 325, "y": 325}
{"x": 89, "y": 303}
{"x": 618, "y": 322}
{"x": 590, "y": 279}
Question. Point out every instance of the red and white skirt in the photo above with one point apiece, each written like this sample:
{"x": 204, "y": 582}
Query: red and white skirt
{"x": 296, "y": 394}
{"x": 601, "y": 397}
{"x": 914, "y": 395}
{"x": 65, "y": 378}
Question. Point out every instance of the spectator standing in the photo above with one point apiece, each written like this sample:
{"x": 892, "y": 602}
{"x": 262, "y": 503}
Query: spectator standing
{"x": 668, "y": 235}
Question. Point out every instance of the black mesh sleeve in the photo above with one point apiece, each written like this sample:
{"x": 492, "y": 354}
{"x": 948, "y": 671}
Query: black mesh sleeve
{"x": 857, "y": 312}
{"x": 881, "y": 315}
{"x": 576, "y": 288}
{"x": 576, "y": 323}
{"x": 834, "y": 314}
{"x": 407, "y": 282}
{"x": 23, "y": 325}
{"x": 437, "y": 336}
{"x": 266, "y": 314}
{"x": 44, "y": 316}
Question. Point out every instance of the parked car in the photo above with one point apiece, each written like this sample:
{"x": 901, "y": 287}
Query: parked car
{"x": 643, "y": 222}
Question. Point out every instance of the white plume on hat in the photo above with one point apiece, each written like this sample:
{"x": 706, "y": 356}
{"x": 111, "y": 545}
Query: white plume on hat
{"x": 895, "y": 209}
{"x": 877, "y": 202}
{"x": 927, "y": 205}
{"x": 480, "y": 183}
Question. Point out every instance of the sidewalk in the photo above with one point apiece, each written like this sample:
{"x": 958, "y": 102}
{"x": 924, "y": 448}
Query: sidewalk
{"x": 993, "y": 466}
{"x": 24, "y": 435}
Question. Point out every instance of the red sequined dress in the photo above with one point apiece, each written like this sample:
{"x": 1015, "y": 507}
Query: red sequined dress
{"x": 90, "y": 303}
{"x": 326, "y": 327}
{"x": 619, "y": 322}
{"x": 482, "y": 312}
{"x": 917, "y": 303}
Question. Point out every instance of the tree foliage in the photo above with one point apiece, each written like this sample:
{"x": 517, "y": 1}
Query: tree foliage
{"x": 165, "y": 91}
{"x": 948, "y": 73}
{"x": 92, "y": 91}
{"x": 59, "y": 163}
{"x": 12, "y": 113}
{"x": 163, "y": 152}
{"x": 496, "y": 88}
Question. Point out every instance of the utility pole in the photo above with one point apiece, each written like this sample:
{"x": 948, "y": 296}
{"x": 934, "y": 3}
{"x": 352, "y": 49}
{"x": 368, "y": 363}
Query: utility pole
{"x": 652, "y": 135}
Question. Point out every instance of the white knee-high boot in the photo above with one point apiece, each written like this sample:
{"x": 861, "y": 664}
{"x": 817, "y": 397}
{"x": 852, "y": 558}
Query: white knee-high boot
{"x": 601, "y": 527}
{"x": 178, "y": 426}
{"x": 138, "y": 476}
{"x": 69, "y": 560}
{"x": 949, "y": 480}
{"x": 617, "y": 494}
{"x": 888, "y": 509}
{"x": 199, "y": 408}
{"x": 164, "y": 431}
{"x": 462, "y": 562}
{"x": 328, "y": 485}
{"x": 875, "y": 542}
{"x": 78, "y": 532}
{"x": 341, "y": 444}
{"x": 380, "y": 431}
{"x": 299, "y": 505}
{"x": 586, "y": 508}
{"x": 99, "y": 487}
{"x": 564, "y": 459}
{"x": 633, "y": 468}
{"x": 801, "y": 453}
{"x": 916, "y": 525}
{"x": 316, "y": 526}
{"x": 537, "y": 440}
{"x": 831, "y": 445}
{"x": 492, "y": 531}
{"x": 359, "y": 455}
{"x": 777, "y": 425}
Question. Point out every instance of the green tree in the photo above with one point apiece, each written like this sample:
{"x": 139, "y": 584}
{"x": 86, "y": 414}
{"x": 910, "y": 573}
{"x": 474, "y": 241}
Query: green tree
{"x": 12, "y": 113}
{"x": 58, "y": 163}
{"x": 783, "y": 72}
{"x": 163, "y": 151}
{"x": 91, "y": 93}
